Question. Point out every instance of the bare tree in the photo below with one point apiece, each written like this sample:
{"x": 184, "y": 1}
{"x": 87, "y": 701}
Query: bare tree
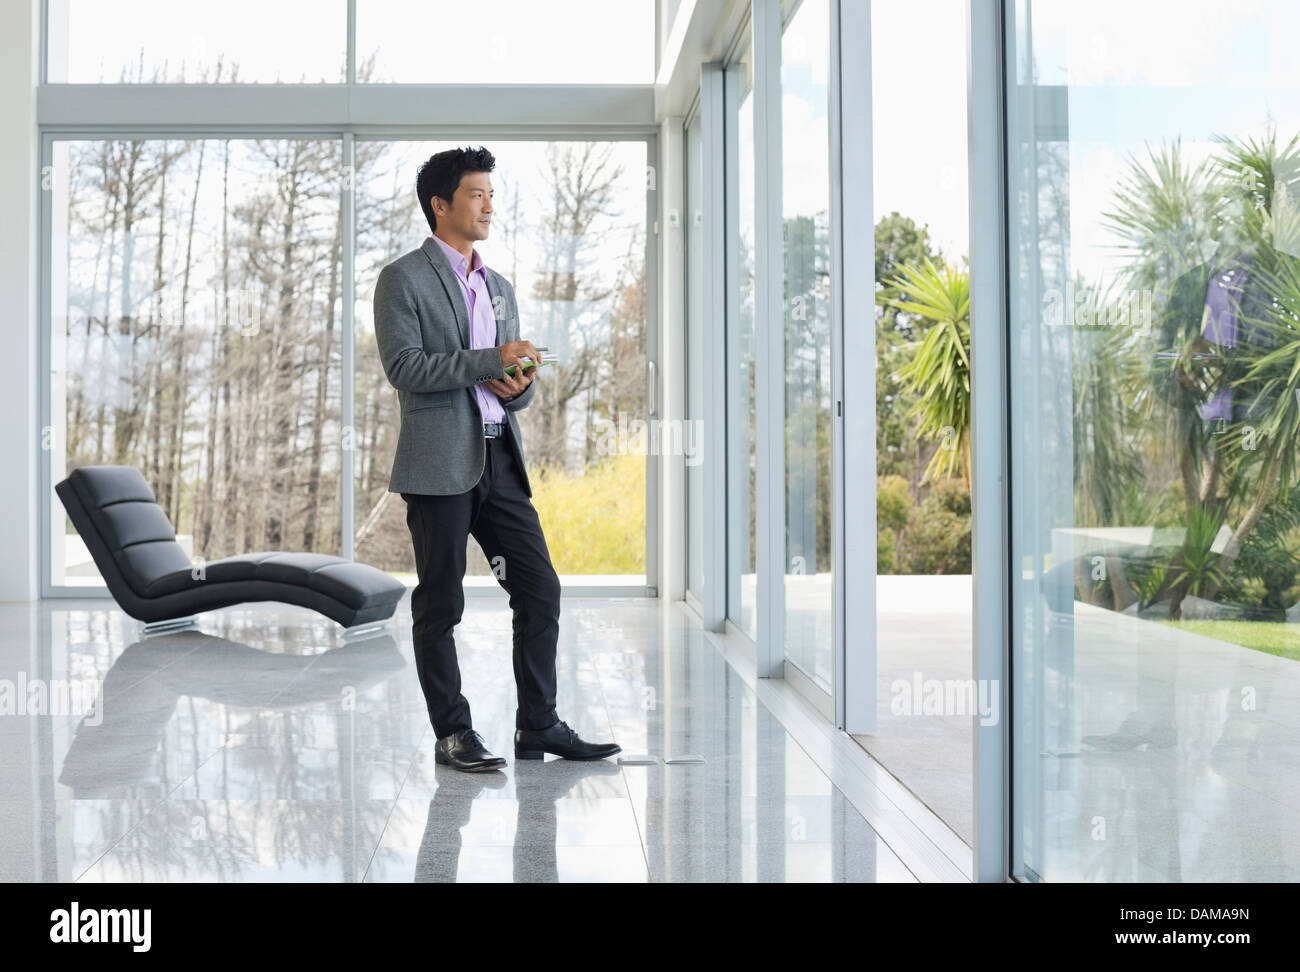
{"x": 570, "y": 298}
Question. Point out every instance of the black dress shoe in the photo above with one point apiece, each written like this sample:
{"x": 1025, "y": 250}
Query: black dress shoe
{"x": 559, "y": 740}
{"x": 465, "y": 750}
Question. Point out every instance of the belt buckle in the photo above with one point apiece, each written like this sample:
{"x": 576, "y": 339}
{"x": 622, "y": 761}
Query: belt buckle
{"x": 492, "y": 430}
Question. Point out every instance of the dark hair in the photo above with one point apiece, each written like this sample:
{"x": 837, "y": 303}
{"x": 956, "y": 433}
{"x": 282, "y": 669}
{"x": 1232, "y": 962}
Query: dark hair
{"x": 440, "y": 176}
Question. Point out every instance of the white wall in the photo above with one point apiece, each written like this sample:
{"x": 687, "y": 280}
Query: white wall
{"x": 19, "y": 193}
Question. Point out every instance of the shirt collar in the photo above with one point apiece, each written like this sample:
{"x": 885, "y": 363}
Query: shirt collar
{"x": 457, "y": 259}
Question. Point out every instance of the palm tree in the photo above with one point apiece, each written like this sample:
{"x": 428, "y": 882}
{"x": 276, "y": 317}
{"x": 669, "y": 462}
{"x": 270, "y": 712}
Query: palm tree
{"x": 1187, "y": 229}
{"x": 940, "y": 371}
{"x": 1111, "y": 431}
{"x": 1167, "y": 215}
{"x": 1257, "y": 452}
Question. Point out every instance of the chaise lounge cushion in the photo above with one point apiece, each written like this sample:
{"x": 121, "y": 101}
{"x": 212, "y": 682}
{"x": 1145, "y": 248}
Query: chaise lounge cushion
{"x": 149, "y": 574}
{"x": 344, "y": 580}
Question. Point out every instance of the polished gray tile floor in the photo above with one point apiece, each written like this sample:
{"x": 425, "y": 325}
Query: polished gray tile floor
{"x": 263, "y": 747}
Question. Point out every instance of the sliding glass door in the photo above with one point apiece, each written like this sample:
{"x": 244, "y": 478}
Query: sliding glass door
{"x": 742, "y": 440}
{"x": 696, "y": 525}
{"x": 1154, "y": 172}
{"x": 806, "y": 323}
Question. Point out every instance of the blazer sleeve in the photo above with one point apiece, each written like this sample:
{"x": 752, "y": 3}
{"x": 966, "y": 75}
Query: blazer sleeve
{"x": 521, "y": 400}
{"x": 401, "y": 347}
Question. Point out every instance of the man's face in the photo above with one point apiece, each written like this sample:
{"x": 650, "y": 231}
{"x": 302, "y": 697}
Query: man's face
{"x": 469, "y": 215}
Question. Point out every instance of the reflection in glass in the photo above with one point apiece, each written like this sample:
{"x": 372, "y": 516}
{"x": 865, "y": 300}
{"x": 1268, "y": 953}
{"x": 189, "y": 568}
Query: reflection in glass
{"x": 805, "y": 223}
{"x": 695, "y": 327}
{"x": 741, "y": 421}
{"x": 1155, "y": 296}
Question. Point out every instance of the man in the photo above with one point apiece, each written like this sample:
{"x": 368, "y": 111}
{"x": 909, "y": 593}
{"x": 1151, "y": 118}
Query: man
{"x": 447, "y": 328}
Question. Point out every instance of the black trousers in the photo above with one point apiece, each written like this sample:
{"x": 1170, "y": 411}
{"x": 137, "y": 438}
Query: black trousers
{"x": 500, "y": 516}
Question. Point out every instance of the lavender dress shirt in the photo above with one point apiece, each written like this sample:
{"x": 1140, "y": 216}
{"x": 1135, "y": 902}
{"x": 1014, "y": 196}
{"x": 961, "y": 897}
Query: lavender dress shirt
{"x": 482, "y": 320}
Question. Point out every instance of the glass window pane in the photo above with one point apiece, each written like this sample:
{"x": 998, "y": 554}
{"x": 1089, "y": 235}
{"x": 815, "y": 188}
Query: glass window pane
{"x": 506, "y": 41}
{"x": 923, "y": 521}
{"x": 1155, "y": 278}
{"x": 805, "y": 224}
{"x": 742, "y": 573}
{"x": 568, "y": 231}
{"x": 194, "y": 335}
{"x": 695, "y": 328}
{"x": 162, "y": 41}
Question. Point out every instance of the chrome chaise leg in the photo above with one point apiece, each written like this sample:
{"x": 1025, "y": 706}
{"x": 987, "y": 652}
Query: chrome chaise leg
{"x": 171, "y": 624}
{"x": 364, "y": 630}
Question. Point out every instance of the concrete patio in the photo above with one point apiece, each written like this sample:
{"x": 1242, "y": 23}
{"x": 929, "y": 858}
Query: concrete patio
{"x": 1148, "y": 753}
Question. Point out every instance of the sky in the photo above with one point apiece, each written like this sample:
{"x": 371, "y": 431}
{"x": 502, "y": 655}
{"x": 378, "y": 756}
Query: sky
{"x": 1141, "y": 75}
{"x": 499, "y": 41}
{"x": 918, "y": 71}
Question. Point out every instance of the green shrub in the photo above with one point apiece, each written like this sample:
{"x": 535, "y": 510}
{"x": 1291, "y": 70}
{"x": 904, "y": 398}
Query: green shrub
{"x": 893, "y": 503}
{"x": 951, "y": 495}
{"x": 938, "y": 532}
{"x": 886, "y": 558}
{"x": 1252, "y": 592}
{"x": 594, "y": 520}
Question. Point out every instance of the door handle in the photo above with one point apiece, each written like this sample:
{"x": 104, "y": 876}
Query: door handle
{"x": 652, "y": 398}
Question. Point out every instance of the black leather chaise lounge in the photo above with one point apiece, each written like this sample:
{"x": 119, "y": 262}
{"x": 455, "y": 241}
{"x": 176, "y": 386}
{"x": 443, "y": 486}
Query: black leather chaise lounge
{"x": 151, "y": 577}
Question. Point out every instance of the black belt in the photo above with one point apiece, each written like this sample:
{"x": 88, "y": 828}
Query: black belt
{"x": 493, "y": 430}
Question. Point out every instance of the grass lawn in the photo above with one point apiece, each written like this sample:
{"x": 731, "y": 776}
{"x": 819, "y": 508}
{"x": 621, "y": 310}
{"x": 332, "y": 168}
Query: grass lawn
{"x": 1274, "y": 637}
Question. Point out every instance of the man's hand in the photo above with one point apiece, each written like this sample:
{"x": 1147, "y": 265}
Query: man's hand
{"x": 511, "y": 353}
{"x": 512, "y": 385}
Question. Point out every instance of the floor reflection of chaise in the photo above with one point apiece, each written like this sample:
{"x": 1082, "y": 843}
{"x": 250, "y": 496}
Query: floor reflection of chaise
{"x": 152, "y": 579}
{"x": 117, "y": 756}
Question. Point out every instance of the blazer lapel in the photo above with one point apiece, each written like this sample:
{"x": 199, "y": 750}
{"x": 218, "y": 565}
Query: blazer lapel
{"x": 438, "y": 260}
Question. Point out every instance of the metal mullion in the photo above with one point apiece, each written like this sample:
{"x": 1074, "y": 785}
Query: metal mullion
{"x": 339, "y": 105}
{"x": 347, "y": 418}
{"x": 381, "y": 133}
{"x": 769, "y": 380}
{"x": 991, "y": 566}
{"x": 45, "y": 211}
{"x": 350, "y": 72}
{"x": 43, "y": 58}
{"x": 72, "y": 133}
{"x": 853, "y": 455}
{"x": 654, "y": 334}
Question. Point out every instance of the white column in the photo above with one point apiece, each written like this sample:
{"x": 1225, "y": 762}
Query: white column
{"x": 853, "y": 329}
{"x": 20, "y": 188}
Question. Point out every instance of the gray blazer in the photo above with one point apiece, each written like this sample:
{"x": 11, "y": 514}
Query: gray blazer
{"x": 422, "y": 328}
